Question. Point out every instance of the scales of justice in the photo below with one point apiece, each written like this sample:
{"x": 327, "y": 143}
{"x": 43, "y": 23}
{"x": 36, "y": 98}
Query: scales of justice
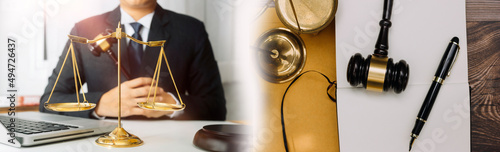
{"x": 118, "y": 137}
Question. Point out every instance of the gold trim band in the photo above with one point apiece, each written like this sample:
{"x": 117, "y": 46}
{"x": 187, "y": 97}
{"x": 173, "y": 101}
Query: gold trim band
{"x": 413, "y": 135}
{"x": 455, "y": 44}
{"x": 376, "y": 74}
{"x": 438, "y": 80}
{"x": 421, "y": 119}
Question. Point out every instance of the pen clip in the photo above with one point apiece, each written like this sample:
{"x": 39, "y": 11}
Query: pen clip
{"x": 455, "y": 58}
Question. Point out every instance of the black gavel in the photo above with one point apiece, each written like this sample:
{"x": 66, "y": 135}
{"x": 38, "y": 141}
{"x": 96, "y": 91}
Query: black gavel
{"x": 378, "y": 72}
{"x": 104, "y": 45}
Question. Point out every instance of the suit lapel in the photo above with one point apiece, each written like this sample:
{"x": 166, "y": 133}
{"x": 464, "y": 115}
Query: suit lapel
{"x": 158, "y": 31}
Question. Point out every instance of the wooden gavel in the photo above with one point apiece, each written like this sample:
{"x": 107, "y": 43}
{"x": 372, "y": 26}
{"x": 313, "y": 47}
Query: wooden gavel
{"x": 378, "y": 72}
{"x": 104, "y": 45}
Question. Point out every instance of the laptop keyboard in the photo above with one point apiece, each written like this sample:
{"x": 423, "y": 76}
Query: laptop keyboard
{"x": 29, "y": 127}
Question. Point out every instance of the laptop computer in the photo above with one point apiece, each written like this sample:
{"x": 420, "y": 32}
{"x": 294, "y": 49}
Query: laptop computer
{"x": 34, "y": 128}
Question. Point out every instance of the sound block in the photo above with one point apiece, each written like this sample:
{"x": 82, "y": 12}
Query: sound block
{"x": 223, "y": 137}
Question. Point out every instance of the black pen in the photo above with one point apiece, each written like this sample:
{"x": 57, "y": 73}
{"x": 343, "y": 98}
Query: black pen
{"x": 449, "y": 58}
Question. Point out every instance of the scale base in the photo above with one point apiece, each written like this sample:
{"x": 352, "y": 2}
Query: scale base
{"x": 119, "y": 138}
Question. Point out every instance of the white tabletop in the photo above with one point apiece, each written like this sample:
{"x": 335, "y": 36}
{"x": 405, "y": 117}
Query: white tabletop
{"x": 158, "y": 135}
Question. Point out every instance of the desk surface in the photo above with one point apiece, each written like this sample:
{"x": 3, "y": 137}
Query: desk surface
{"x": 158, "y": 135}
{"x": 483, "y": 36}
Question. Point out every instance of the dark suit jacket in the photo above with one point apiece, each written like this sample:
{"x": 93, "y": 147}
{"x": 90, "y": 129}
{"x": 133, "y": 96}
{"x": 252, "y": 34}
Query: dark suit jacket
{"x": 188, "y": 51}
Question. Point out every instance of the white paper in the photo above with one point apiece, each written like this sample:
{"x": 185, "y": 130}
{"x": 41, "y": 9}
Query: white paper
{"x": 420, "y": 33}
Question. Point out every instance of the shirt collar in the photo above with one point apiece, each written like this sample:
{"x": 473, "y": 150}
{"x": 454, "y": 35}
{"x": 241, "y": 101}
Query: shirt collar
{"x": 126, "y": 19}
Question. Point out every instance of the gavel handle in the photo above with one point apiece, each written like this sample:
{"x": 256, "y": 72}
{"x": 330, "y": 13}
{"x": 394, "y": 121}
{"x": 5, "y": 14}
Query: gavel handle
{"x": 382, "y": 45}
{"x": 387, "y": 9}
{"x": 113, "y": 57}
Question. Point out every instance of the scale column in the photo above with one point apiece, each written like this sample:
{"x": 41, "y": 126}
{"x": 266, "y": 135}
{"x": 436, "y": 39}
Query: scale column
{"x": 119, "y": 37}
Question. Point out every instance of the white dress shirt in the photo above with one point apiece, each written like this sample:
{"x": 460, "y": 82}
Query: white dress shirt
{"x": 145, "y": 21}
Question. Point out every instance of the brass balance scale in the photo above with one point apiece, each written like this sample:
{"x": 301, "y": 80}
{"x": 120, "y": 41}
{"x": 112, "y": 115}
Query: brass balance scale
{"x": 118, "y": 137}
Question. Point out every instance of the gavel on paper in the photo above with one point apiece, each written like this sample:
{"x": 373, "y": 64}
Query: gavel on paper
{"x": 378, "y": 72}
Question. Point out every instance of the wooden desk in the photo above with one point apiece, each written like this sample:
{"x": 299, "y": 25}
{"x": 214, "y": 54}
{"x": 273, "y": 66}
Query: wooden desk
{"x": 483, "y": 36}
{"x": 20, "y": 109}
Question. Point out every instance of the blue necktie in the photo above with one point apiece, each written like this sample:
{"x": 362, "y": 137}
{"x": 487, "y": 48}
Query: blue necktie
{"x": 135, "y": 51}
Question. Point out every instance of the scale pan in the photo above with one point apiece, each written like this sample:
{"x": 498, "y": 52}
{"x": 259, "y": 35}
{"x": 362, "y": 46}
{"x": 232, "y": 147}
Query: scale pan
{"x": 69, "y": 107}
{"x": 161, "y": 106}
{"x": 281, "y": 55}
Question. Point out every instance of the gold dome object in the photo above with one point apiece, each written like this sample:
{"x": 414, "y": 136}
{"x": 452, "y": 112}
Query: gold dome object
{"x": 281, "y": 55}
{"x": 312, "y": 15}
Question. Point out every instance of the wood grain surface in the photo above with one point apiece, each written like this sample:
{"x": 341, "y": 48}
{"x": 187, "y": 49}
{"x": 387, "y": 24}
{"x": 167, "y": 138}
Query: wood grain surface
{"x": 483, "y": 36}
{"x": 483, "y": 10}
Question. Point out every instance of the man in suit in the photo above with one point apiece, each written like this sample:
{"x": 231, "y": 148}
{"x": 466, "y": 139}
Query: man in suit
{"x": 188, "y": 51}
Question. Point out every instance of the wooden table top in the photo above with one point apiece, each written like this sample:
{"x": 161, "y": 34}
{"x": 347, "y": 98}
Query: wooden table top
{"x": 483, "y": 36}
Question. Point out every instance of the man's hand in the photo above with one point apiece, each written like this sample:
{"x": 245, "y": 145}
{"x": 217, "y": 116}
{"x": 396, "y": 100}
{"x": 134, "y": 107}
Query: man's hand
{"x": 132, "y": 91}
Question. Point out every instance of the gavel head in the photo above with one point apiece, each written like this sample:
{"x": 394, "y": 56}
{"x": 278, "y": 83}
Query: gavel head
{"x": 101, "y": 45}
{"x": 378, "y": 73}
